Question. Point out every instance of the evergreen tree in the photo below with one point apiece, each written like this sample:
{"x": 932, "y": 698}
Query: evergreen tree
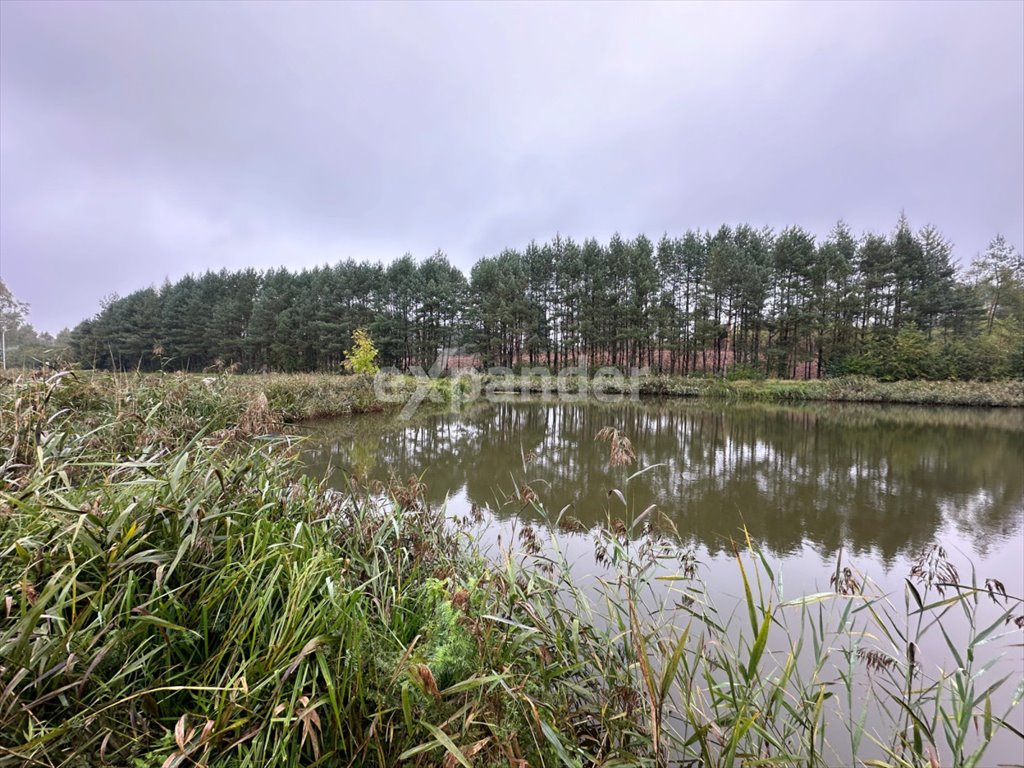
{"x": 998, "y": 277}
{"x": 740, "y": 298}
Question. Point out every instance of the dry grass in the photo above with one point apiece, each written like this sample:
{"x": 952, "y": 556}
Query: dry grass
{"x": 621, "y": 452}
{"x": 176, "y": 594}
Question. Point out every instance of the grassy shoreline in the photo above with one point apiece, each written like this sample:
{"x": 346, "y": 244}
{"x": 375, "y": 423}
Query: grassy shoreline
{"x": 302, "y": 397}
{"x": 851, "y": 389}
{"x": 299, "y": 397}
{"x": 176, "y": 593}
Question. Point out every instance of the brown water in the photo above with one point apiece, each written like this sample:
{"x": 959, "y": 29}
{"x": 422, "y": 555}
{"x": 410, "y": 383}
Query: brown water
{"x": 878, "y": 483}
{"x": 881, "y": 482}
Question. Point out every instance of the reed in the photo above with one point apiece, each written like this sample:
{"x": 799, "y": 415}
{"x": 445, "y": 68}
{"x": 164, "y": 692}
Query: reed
{"x": 852, "y": 389}
{"x": 176, "y": 593}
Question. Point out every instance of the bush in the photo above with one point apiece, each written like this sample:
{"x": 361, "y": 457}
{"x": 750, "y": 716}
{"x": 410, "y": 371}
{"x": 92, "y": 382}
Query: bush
{"x": 363, "y": 355}
{"x": 745, "y": 372}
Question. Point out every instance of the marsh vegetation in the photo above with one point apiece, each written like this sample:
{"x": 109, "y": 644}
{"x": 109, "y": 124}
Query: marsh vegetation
{"x": 178, "y": 590}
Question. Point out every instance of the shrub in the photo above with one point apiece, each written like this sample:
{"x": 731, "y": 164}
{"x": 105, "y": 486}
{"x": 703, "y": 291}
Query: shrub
{"x": 363, "y": 355}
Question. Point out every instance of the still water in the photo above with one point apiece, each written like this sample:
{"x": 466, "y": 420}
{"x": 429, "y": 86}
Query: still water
{"x": 874, "y": 484}
{"x": 879, "y": 482}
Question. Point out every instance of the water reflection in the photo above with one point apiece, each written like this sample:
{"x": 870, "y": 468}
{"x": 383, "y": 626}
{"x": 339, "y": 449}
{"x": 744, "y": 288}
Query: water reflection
{"x": 884, "y": 480}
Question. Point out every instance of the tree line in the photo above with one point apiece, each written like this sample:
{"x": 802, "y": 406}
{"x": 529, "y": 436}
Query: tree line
{"x": 739, "y": 301}
{"x": 21, "y": 346}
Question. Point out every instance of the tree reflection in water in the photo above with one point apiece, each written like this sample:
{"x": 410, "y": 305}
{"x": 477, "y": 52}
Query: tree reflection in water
{"x": 871, "y": 479}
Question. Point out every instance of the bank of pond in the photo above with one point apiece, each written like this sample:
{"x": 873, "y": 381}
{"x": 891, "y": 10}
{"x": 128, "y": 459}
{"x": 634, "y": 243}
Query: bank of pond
{"x": 188, "y": 579}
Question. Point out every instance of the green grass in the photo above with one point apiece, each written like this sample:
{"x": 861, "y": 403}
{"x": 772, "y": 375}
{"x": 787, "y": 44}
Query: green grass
{"x": 857, "y": 389}
{"x": 176, "y": 593}
{"x": 861, "y": 389}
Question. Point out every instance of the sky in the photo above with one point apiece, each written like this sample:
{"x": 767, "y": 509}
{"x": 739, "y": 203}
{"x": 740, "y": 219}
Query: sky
{"x": 143, "y": 141}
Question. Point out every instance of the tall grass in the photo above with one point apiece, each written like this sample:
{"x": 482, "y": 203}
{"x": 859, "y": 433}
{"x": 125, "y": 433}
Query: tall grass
{"x": 855, "y": 389}
{"x": 182, "y": 600}
{"x": 825, "y": 679}
{"x": 176, "y": 593}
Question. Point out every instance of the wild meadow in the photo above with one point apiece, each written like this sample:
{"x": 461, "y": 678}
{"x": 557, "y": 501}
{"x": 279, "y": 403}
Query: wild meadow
{"x": 176, "y": 592}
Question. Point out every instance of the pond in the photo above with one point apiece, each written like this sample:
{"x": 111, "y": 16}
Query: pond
{"x": 876, "y": 485}
{"x": 879, "y": 482}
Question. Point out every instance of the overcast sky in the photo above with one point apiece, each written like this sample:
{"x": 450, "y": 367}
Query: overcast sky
{"x": 140, "y": 141}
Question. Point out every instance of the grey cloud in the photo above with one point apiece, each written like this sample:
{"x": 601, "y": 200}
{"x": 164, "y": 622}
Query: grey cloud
{"x": 139, "y": 141}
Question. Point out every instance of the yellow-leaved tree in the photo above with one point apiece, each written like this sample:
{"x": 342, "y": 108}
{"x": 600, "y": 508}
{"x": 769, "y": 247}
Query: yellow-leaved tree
{"x": 362, "y": 358}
